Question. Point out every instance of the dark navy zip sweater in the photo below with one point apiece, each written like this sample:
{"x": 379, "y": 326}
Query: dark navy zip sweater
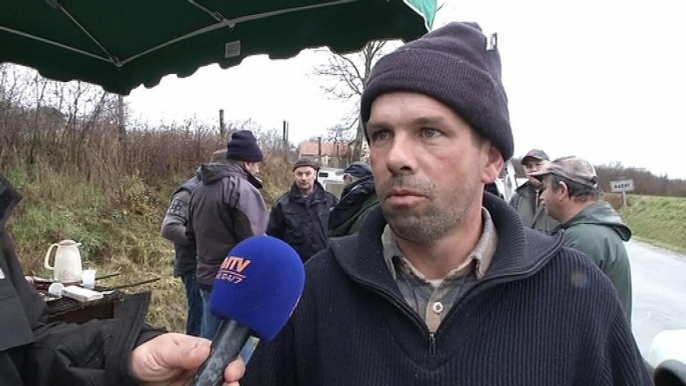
{"x": 542, "y": 315}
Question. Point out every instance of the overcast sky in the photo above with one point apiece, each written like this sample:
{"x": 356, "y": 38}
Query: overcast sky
{"x": 601, "y": 79}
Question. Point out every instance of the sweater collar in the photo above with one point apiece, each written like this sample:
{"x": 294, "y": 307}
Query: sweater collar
{"x": 520, "y": 251}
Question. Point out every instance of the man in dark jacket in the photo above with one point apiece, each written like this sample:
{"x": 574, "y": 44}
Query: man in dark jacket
{"x": 527, "y": 198}
{"x": 590, "y": 225}
{"x": 300, "y": 217}
{"x": 225, "y": 209}
{"x": 121, "y": 351}
{"x": 174, "y": 229}
{"x": 357, "y": 201}
{"x": 444, "y": 285}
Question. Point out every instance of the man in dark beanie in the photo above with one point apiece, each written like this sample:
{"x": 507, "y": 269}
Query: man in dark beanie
{"x": 354, "y": 172}
{"x": 443, "y": 285}
{"x": 225, "y": 209}
{"x": 300, "y": 216}
{"x": 357, "y": 200}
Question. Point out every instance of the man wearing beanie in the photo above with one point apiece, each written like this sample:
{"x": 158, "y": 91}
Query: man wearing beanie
{"x": 300, "y": 216}
{"x": 444, "y": 285}
{"x": 355, "y": 172}
{"x": 225, "y": 209}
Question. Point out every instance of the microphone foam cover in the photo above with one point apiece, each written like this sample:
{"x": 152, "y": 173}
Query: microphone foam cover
{"x": 258, "y": 285}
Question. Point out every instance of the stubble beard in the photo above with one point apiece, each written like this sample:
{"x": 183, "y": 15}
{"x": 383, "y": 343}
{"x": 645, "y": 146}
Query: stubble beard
{"x": 427, "y": 223}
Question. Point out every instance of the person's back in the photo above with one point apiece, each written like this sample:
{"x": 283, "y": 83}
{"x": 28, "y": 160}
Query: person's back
{"x": 225, "y": 209}
{"x": 599, "y": 232}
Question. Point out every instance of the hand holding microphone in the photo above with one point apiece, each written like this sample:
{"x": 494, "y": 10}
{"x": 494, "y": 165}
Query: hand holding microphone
{"x": 255, "y": 292}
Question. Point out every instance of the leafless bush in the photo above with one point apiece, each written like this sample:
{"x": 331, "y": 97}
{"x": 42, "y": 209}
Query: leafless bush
{"x": 74, "y": 128}
{"x": 645, "y": 182}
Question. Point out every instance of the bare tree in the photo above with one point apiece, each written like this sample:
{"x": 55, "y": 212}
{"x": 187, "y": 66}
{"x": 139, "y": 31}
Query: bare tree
{"x": 339, "y": 135}
{"x": 346, "y": 77}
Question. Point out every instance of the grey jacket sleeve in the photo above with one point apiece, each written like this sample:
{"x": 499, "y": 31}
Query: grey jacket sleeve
{"x": 176, "y": 218}
{"x": 251, "y": 212}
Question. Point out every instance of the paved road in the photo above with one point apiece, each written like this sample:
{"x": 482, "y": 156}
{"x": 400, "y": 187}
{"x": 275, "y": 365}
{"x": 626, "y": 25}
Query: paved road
{"x": 659, "y": 291}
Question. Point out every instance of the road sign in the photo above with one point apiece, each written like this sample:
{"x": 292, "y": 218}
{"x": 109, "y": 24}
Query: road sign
{"x": 622, "y": 186}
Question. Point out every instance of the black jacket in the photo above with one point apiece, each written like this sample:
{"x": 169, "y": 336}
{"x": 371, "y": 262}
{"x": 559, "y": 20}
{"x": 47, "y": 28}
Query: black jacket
{"x": 302, "y": 221}
{"x": 225, "y": 209}
{"x": 174, "y": 227}
{"x": 357, "y": 201}
{"x": 542, "y": 315}
{"x": 35, "y": 353}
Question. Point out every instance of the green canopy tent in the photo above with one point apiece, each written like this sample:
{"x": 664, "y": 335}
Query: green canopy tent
{"x": 124, "y": 43}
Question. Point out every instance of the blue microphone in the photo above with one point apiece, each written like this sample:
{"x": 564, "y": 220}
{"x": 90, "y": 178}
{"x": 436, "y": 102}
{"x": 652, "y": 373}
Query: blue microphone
{"x": 255, "y": 292}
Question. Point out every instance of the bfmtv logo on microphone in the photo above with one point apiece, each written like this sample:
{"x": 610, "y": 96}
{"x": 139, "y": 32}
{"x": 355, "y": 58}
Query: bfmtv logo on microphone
{"x": 233, "y": 269}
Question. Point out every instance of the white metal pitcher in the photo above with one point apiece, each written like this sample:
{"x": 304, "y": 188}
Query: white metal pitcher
{"x": 67, "y": 267}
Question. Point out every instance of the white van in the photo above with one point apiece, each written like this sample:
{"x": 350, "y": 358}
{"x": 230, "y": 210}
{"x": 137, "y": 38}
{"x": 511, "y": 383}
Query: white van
{"x": 332, "y": 180}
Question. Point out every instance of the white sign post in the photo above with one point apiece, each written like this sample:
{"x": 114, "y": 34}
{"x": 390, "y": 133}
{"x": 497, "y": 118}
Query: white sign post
{"x": 622, "y": 186}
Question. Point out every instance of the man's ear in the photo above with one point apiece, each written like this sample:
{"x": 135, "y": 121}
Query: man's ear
{"x": 564, "y": 190}
{"x": 493, "y": 164}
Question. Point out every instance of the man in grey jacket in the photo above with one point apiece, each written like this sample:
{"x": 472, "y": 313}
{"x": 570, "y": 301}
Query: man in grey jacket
{"x": 225, "y": 209}
{"x": 174, "y": 229}
{"x": 527, "y": 198}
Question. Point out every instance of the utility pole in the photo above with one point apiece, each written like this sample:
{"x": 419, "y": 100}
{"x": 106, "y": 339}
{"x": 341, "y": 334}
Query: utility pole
{"x": 285, "y": 141}
{"x": 121, "y": 119}
{"x": 222, "y": 127}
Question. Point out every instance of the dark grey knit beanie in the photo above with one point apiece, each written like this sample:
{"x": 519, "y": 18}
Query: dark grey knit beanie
{"x": 243, "y": 147}
{"x": 456, "y": 65}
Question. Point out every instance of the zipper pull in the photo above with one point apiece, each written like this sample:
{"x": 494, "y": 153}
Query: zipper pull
{"x": 432, "y": 345}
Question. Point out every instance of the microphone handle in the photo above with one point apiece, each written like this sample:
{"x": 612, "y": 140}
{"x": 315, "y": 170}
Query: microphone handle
{"x": 226, "y": 345}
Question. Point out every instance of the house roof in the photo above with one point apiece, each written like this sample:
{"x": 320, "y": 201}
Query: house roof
{"x": 330, "y": 149}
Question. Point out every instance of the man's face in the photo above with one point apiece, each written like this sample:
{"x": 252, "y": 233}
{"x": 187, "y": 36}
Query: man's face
{"x": 304, "y": 177}
{"x": 552, "y": 200}
{"x": 532, "y": 166}
{"x": 429, "y": 166}
{"x": 253, "y": 168}
{"x": 347, "y": 179}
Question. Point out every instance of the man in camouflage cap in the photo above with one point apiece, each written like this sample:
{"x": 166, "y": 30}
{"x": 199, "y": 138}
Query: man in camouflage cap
{"x": 592, "y": 226}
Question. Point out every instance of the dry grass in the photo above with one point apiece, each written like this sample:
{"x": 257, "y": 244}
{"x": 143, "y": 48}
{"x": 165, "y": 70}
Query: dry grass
{"x": 118, "y": 224}
{"x": 83, "y": 178}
